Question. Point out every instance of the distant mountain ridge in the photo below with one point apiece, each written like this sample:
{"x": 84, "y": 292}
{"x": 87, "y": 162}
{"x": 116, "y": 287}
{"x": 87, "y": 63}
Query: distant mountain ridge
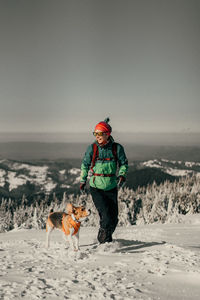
{"x": 47, "y": 177}
{"x": 53, "y": 151}
{"x": 184, "y": 138}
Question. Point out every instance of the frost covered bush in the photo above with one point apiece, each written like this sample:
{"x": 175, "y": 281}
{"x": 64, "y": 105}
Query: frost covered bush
{"x": 166, "y": 202}
{"x": 6, "y": 215}
{"x": 155, "y": 203}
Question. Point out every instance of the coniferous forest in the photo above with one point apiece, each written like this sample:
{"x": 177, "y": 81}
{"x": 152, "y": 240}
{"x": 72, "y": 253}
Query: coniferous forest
{"x": 162, "y": 203}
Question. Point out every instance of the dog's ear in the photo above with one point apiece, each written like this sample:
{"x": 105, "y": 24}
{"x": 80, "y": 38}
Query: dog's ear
{"x": 69, "y": 208}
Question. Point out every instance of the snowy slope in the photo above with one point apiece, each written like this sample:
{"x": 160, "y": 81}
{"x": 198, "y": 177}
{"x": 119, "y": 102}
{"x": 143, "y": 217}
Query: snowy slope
{"x": 143, "y": 262}
{"x": 16, "y": 174}
{"x": 174, "y": 168}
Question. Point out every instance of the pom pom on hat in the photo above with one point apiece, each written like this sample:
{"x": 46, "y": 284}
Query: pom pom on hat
{"x": 107, "y": 120}
{"x": 104, "y": 126}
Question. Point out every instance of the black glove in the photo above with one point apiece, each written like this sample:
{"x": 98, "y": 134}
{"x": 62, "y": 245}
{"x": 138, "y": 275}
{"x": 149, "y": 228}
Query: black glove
{"x": 82, "y": 186}
{"x": 121, "y": 181}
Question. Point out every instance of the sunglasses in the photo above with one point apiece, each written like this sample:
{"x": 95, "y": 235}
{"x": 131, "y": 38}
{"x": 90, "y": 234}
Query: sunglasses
{"x": 100, "y": 133}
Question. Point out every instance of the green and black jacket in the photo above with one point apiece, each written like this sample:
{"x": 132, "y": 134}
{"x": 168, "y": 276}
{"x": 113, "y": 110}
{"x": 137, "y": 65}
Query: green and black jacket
{"x": 104, "y": 166}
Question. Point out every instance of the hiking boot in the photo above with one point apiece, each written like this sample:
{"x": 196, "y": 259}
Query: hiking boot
{"x": 104, "y": 236}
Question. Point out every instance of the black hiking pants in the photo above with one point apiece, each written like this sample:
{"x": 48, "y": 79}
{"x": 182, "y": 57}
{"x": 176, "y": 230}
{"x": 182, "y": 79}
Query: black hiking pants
{"x": 107, "y": 206}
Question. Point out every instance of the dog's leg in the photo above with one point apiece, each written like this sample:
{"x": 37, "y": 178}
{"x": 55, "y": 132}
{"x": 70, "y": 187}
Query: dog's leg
{"x": 70, "y": 238}
{"x": 49, "y": 229}
{"x": 66, "y": 239}
{"x": 76, "y": 241}
{"x": 64, "y": 236}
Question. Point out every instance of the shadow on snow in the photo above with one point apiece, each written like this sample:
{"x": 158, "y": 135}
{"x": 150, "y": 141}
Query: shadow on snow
{"x": 130, "y": 245}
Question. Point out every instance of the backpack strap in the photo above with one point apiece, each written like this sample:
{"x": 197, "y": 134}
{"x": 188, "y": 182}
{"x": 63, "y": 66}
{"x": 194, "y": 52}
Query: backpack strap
{"x": 114, "y": 151}
{"x": 95, "y": 155}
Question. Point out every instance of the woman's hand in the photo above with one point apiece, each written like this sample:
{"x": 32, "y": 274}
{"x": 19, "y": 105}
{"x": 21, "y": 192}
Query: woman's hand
{"x": 121, "y": 181}
{"x": 82, "y": 186}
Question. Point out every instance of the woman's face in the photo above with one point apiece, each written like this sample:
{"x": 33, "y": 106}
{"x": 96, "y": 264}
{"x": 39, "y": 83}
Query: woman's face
{"x": 101, "y": 139}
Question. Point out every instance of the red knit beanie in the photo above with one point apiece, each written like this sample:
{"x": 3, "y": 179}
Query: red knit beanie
{"x": 104, "y": 126}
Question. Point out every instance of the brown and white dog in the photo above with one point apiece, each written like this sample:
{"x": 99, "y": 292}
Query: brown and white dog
{"x": 68, "y": 222}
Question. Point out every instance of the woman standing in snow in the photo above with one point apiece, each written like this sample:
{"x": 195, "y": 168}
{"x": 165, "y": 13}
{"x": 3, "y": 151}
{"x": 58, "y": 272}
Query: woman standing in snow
{"x": 102, "y": 157}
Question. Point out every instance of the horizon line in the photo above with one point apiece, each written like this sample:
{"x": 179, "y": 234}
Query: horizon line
{"x": 114, "y": 132}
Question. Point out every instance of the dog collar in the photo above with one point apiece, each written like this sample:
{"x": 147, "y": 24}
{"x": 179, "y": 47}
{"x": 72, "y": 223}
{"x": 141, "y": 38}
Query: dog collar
{"x": 73, "y": 217}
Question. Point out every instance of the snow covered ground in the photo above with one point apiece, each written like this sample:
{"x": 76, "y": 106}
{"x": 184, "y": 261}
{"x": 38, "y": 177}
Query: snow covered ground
{"x": 143, "y": 262}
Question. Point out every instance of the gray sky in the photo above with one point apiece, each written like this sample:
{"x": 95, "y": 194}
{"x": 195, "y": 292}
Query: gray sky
{"x": 66, "y": 65}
